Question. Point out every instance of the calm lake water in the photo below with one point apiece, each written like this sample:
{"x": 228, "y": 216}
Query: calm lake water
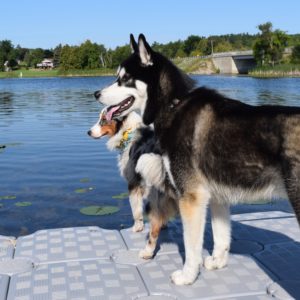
{"x": 50, "y": 168}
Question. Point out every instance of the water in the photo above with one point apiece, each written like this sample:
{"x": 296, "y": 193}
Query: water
{"x": 49, "y": 156}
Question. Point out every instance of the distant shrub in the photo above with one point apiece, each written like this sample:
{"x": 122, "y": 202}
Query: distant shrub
{"x": 295, "y": 58}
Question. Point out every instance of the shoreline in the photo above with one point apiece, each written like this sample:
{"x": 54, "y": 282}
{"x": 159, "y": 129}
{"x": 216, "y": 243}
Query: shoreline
{"x": 99, "y": 73}
{"x": 55, "y": 73}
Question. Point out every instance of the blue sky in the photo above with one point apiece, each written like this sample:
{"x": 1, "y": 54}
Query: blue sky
{"x": 35, "y": 23}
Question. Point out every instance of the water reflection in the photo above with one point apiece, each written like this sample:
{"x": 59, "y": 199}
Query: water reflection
{"x": 267, "y": 96}
{"x": 6, "y": 103}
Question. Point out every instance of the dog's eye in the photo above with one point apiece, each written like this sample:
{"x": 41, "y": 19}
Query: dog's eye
{"x": 125, "y": 77}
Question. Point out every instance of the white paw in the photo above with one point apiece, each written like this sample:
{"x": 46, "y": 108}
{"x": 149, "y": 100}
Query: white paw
{"x": 180, "y": 277}
{"x": 145, "y": 254}
{"x": 138, "y": 226}
{"x": 212, "y": 263}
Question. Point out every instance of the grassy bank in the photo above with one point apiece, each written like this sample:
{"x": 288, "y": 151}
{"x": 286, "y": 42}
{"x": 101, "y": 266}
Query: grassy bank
{"x": 285, "y": 70}
{"x": 35, "y": 73}
{"x": 195, "y": 65}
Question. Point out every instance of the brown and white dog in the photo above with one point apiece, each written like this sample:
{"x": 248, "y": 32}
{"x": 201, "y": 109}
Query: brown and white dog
{"x": 141, "y": 165}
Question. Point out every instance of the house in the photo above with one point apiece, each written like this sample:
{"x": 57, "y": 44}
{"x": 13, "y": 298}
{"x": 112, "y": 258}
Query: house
{"x": 46, "y": 63}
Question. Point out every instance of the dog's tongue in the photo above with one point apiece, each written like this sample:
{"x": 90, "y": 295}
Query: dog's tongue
{"x": 110, "y": 113}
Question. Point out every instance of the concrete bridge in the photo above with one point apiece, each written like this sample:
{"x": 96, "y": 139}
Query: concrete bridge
{"x": 235, "y": 62}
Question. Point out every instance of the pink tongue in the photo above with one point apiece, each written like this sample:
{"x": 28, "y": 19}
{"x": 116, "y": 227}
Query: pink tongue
{"x": 109, "y": 114}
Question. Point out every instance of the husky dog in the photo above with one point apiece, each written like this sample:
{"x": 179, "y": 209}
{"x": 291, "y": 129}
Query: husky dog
{"x": 215, "y": 150}
{"x": 141, "y": 165}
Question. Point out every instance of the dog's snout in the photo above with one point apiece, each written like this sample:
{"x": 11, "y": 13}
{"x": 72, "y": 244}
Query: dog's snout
{"x": 97, "y": 94}
{"x": 89, "y": 132}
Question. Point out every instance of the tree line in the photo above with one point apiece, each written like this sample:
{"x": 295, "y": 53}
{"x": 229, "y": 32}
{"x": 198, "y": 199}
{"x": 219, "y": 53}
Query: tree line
{"x": 268, "y": 46}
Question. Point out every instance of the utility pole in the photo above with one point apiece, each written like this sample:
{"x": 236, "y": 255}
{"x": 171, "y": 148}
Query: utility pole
{"x": 212, "y": 47}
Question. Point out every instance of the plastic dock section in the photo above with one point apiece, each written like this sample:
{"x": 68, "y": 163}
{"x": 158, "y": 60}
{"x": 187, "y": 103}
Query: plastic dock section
{"x": 93, "y": 263}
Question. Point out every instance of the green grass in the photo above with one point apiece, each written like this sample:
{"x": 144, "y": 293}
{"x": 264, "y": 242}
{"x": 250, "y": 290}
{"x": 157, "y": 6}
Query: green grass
{"x": 35, "y": 73}
{"x": 283, "y": 70}
{"x": 195, "y": 65}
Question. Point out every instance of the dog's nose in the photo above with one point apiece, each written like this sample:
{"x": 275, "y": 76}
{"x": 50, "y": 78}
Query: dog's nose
{"x": 89, "y": 132}
{"x": 97, "y": 94}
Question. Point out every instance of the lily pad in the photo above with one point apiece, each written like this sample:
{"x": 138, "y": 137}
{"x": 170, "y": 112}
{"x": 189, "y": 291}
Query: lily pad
{"x": 83, "y": 190}
{"x": 8, "y": 197}
{"x": 80, "y": 191}
{"x": 121, "y": 196}
{"x": 13, "y": 144}
{"x": 86, "y": 179}
{"x": 23, "y": 204}
{"x": 3, "y": 147}
{"x": 95, "y": 210}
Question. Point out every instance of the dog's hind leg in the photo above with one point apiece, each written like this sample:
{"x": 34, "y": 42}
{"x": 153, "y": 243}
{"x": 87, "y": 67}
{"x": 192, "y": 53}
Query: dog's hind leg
{"x": 156, "y": 224}
{"x": 136, "y": 202}
{"x": 159, "y": 209}
{"x": 220, "y": 221}
{"x": 192, "y": 208}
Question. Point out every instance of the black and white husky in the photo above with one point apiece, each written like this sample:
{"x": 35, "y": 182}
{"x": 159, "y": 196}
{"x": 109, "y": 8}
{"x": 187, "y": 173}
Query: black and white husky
{"x": 215, "y": 150}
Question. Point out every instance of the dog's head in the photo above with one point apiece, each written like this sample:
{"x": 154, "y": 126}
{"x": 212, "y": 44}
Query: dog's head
{"x": 114, "y": 128}
{"x": 134, "y": 83}
{"x": 146, "y": 81}
{"x": 104, "y": 127}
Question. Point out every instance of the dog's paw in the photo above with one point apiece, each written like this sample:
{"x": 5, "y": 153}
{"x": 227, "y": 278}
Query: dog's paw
{"x": 145, "y": 254}
{"x": 212, "y": 263}
{"x": 138, "y": 226}
{"x": 181, "y": 277}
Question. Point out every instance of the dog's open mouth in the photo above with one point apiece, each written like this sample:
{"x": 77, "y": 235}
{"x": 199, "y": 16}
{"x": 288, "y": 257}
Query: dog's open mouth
{"x": 115, "y": 110}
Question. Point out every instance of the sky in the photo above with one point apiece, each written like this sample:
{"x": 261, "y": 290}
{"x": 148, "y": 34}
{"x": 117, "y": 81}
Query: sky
{"x": 35, "y": 23}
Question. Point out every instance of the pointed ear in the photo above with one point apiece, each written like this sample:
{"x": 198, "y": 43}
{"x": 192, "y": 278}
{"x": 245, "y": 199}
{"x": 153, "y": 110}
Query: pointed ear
{"x": 145, "y": 51}
{"x": 133, "y": 44}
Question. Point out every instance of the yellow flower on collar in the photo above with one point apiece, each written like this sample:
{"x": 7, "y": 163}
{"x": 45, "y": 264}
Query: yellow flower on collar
{"x": 125, "y": 134}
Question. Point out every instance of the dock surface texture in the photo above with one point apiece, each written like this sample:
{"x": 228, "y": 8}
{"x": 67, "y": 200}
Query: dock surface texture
{"x": 93, "y": 263}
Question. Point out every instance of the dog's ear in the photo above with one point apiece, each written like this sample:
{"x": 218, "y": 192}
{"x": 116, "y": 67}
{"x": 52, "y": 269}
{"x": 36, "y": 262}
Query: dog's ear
{"x": 133, "y": 44}
{"x": 145, "y": 51}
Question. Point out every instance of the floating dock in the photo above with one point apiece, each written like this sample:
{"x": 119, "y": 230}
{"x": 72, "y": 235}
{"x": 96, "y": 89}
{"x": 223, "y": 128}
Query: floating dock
{"x": 85, "y": 263}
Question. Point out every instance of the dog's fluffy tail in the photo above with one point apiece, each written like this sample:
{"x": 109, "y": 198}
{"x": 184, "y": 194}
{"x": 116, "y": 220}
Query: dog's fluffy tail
{"x": 150, "y": 167}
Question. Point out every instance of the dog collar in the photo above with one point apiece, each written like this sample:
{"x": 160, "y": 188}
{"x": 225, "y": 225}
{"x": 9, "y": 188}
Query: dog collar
{"x": 126, "y": 139}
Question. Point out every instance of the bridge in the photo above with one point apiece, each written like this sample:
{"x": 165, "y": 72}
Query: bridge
{"x": 234, "y": 62}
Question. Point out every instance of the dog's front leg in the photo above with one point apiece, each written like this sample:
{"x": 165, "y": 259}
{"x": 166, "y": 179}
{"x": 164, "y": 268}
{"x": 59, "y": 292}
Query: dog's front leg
{"x": 220, "y": 216}
{"x": 192, "y": 208}
{"x": 136, "y": 204}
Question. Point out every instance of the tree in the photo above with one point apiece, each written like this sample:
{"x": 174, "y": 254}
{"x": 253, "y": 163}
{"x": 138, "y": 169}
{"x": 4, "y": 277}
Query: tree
{"x": 269, "y": 45}
{"x": 203, "y": 47}
{"x": 223, "y": 46}
{"x": 119, "y": 54}
{"x": 295, "y": 58}
{"x": 6, "y": 48}
{"x": 70, "y": 58}
{"x": 190, "y": 44}
{"x": 37, "y": 55}
{"x": 56, "y": 55}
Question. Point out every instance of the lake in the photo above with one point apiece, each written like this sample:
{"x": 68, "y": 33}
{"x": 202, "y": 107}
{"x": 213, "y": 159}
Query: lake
{"x": 50, "y": 169}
